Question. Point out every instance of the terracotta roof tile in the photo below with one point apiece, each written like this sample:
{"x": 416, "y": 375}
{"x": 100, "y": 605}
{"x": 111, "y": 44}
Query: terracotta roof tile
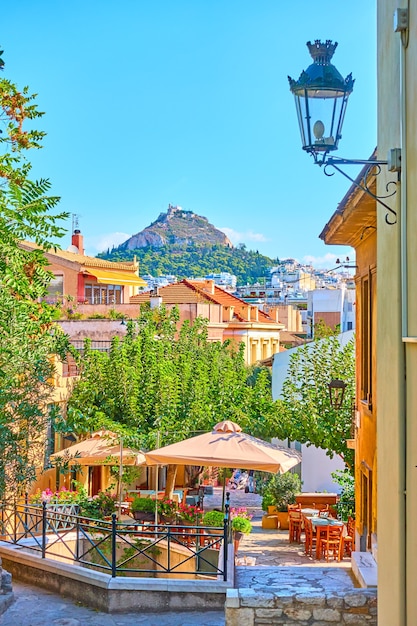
{"x": 86, "y": 261}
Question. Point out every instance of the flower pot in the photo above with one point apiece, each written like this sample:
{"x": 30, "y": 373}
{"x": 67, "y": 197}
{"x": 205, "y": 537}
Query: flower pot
{"x": 237, "y": 536}
{"x": 283, "y": 520}
{"x": 142, "y": 516}
{"x": 272, "y": 510}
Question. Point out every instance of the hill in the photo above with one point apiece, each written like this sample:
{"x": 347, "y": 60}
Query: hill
{"x": 187, "y": 245}
{"x": 177, "y": 227}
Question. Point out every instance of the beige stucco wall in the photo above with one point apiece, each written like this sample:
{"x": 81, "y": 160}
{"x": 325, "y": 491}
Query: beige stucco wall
{"x": 397, "y": 401}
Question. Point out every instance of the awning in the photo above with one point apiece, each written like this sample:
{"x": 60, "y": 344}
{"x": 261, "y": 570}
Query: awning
{"x": 120, "y": 277}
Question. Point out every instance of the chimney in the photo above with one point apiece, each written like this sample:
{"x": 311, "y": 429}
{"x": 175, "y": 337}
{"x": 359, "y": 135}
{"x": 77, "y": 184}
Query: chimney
{"x": 208, "y": 286}
{"x": 78, "y": 241}
{"x": 155, "y": 299}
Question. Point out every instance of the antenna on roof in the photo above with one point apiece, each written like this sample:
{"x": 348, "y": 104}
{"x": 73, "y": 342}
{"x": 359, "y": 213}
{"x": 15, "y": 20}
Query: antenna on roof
{"x": 75, "y": 223}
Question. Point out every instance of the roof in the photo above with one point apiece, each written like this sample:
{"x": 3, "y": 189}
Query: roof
{"x": 82, "y": 259}
{"x": 191, "y": 291}
{"x": 355, "y": 217}
{"x": 106, "y": 272}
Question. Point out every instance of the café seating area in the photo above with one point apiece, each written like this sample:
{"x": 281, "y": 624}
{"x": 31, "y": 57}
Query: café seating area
{"x": 323, "y": 535}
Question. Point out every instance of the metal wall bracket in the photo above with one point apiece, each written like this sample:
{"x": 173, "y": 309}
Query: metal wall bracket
{"x": 370, "y": 166}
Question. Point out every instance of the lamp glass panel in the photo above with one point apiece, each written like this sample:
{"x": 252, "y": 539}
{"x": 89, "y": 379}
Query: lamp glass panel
{"x": 320, "y": 115}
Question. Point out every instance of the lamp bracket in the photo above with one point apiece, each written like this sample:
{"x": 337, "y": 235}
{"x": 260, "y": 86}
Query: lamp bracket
{"x": 371, "y": 166}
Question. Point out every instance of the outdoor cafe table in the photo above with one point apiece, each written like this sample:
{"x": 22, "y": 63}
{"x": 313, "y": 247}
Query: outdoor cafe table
{"x": 320, "y": 524}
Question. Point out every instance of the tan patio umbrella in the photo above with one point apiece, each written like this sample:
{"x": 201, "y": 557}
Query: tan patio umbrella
{"x": 102, "y": 448}
{"x": 226, "y": 446}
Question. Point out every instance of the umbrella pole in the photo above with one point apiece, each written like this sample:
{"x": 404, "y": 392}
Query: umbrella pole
{"x": 224, "y": 490}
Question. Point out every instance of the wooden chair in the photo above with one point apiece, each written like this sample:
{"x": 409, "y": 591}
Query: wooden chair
{"x": 310, "y": 537}
{"x": 348, "y": 541}
{"x": 330, "y": 541}
{"x": 295, "y": 525}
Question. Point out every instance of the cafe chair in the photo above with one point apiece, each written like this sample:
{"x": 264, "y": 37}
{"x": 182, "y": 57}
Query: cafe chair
{"x": 295, "y": 525}
{"x": 330, "y": 542}
{"x": 310, "y": 537}
{"x": 348, "y": 541}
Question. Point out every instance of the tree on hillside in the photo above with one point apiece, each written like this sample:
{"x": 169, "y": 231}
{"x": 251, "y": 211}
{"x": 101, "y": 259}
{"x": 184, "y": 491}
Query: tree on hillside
{"x": 305, "y": 412}
{"x": 27, "y": 334}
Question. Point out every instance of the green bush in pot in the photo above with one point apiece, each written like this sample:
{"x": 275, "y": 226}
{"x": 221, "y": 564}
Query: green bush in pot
{"x": 143, "y": 508}
{"x": 213, "y": 518}
{"x": 282, "y": 489}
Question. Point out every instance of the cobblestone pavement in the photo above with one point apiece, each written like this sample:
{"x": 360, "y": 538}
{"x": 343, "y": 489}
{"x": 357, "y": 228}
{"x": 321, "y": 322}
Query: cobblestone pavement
{"x": 38, "y": 607}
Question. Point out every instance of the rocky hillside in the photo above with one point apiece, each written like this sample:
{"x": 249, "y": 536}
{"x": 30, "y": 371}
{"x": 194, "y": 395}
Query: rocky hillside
{"x": 187, "y": 245}
{"x": 177, "y": 227}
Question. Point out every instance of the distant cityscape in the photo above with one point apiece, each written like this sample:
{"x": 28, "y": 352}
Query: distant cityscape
{"x": 332, "y": 291}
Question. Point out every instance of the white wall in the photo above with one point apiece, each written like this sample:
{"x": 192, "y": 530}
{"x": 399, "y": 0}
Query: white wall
{"x": 316, "y": 466}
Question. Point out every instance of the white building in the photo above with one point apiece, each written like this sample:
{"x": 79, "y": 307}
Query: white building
{"x": 316, "y": 466}
{"x": 335, "y": 307}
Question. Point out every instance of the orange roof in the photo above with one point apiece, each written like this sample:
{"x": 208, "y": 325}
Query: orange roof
{"x": 190, "y": 291}
{"x": 176, "y": 293}
{"x": 220, "y": 296}
{"x": 82, "y": 259}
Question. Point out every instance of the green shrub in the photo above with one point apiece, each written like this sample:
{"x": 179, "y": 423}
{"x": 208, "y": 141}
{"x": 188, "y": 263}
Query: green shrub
{"x": 280, "y": 491}
{"x": 242, "y": 525}
{"x": 213, "y": 518}
{"x": 346, "y": 505}
{"x": 146, "y": 505}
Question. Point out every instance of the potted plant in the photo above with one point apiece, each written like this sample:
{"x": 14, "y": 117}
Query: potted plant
{"x": 189, "y": 514}
{"x": 280, "y": 491}
{"x": 213, "y": 520}
{"x": 241, "y": 524}
{"x": 100, "y": 506}
{"x": 143, "y": 509}
{"x": 168, "y": 510}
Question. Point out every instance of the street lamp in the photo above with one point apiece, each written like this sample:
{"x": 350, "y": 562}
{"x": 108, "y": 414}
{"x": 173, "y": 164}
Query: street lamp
{"x": 336, "y": 392}
{"x": 321, "y": 95}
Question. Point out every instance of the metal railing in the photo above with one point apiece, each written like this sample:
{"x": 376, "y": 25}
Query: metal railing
{"x": 118, "y": 548}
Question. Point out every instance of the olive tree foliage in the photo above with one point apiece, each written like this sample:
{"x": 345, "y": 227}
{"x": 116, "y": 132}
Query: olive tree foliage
{"x": 160, "y": 385}
{"x": 27, "y": 334}
{"x": 306, "y": 414}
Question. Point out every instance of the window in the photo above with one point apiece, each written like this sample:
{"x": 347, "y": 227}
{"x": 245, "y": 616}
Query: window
{"x": 367, "y": 288}
{"x": 349, "y": 325}
{"x": 55, "y": 288}
{"x": 103, "y": 294}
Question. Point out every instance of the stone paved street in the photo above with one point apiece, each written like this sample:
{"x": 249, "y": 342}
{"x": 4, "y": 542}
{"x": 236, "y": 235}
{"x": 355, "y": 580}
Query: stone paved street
{"x": 38, "y": 607}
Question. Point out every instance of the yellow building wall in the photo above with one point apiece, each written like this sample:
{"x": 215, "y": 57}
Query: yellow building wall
{"x": 366, "y": 415}
{"x": 396, "y": 346}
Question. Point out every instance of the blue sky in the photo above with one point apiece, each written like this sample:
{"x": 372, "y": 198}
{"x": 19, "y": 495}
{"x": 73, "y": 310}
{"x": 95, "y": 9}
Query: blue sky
{"x": 186, "y": 102}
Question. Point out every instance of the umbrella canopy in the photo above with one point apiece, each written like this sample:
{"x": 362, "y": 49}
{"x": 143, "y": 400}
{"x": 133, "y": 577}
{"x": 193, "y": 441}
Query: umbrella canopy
{"x": 226, "y": 446}
{"x": 103, "y": 448}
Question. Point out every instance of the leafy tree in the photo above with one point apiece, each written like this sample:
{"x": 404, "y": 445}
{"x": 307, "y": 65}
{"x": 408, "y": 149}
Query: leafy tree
{"x": 160, "y": 385}
{"x": 27, "y": 335}
{"x": 305, "y": 411}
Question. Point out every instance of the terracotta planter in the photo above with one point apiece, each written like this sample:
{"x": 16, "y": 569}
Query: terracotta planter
{"x": 237, "y": 536}
{"x": 272, "y": 510}
{"x": 142, "y": 516}
{"x": 283, "y": 520}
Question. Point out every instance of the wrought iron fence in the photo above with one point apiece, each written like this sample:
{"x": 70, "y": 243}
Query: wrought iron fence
{"x": 119, "y": 548}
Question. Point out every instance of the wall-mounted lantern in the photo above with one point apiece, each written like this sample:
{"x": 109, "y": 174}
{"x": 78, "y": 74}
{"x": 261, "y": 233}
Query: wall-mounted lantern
{"x": 336, "y": 392}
